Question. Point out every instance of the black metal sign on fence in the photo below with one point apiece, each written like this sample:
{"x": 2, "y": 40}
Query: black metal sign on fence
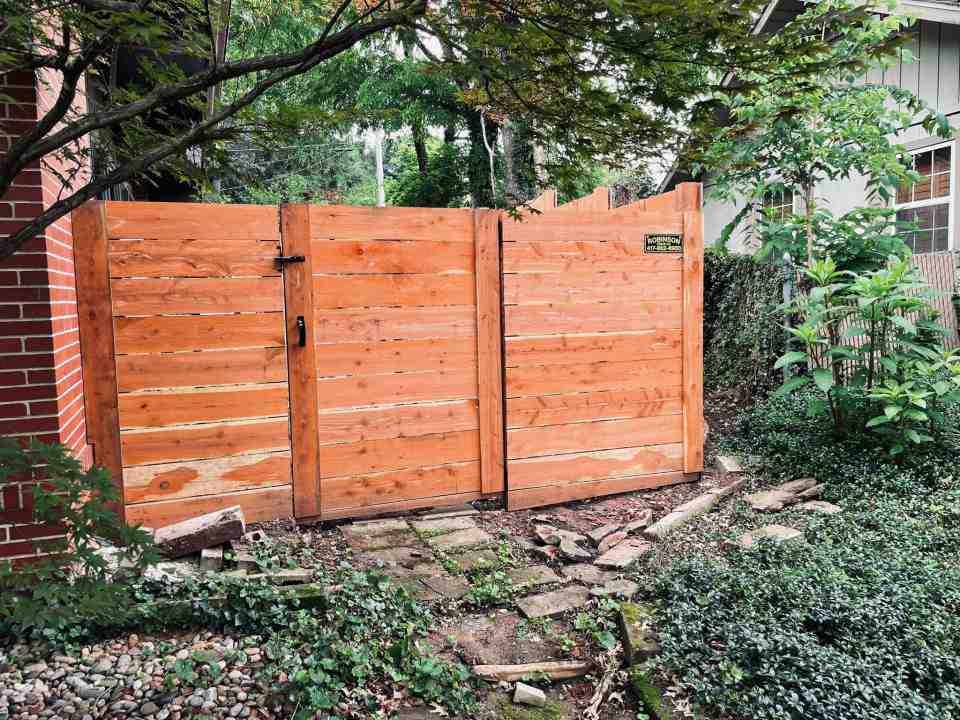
{"x": 663, "y": 243}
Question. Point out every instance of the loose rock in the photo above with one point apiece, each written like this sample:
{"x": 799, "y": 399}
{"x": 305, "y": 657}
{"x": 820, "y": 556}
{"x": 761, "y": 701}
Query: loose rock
{"x": 524, "y": 694}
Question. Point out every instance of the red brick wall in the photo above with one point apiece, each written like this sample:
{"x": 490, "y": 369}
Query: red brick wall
{"x": 41, "y": 391}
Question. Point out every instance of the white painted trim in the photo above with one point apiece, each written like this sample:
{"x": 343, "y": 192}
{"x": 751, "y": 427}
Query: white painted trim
{"x": 951, "y": 205}
{"x": 925, "y": 10}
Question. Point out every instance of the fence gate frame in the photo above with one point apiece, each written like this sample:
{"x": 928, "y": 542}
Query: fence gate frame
{"x": 371, "y": 383}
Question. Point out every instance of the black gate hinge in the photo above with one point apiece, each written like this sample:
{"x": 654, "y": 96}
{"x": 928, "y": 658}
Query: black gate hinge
{"x": 285, "y": 259}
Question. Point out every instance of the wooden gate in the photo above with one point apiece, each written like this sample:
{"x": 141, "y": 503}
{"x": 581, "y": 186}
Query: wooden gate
{"x": 330, "y": 361}
{"x": 603, "y": 348}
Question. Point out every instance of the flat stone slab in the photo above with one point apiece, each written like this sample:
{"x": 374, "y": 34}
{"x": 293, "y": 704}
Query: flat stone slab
{"x": 377, "y": 534}
{"x": 623, "y": 555}
{"x": 598, "y": 534}
{"x": 636, "y": 626}
{"x": 476, "y": 559}
{"x": 779, "y": 533}
{"x": 443, "y": 524}
{"x": 496, "y": 640}
{"x": 641, "y": 522}
{"x": 616, "y": 588}
{"x": 461, "y": 539}
{"x": 403, "y": 556}
{"x": 820, "y": 506}
{"x": 683, "y": 514}
{"x": 417, "y": 589}
{"x": 450, "y": 587}
{"x": 789, "y": 493}
{"x": 588, "y": 574}
{"x": 553, "y": 603}
{"x": 535, "y": 575}
{"x": 463, "y": 510}
{"x": 728, "y": 465}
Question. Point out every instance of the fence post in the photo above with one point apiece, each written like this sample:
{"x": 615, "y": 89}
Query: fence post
{"x": 688, "y": 201}
{"x": 97, "y": 349}
{"x": 486, "y": 234}
{"x": 301, "y": 360}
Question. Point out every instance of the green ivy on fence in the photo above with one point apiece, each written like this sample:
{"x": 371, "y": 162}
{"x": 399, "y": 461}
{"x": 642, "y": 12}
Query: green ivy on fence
{"x": 743, "y": 333}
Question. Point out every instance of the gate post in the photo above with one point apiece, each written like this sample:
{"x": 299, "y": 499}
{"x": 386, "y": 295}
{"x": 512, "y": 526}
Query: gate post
{"x": 486, "y": 237}
{"x": 301, "y": 359}
{"x": 688, "y": 201}
{"x": 97, "y": 349}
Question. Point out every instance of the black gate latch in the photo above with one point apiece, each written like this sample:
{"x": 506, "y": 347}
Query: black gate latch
{"x": 284, "y": 259}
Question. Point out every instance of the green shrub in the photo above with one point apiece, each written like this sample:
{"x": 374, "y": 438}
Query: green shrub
{"x": 68, "y": 593}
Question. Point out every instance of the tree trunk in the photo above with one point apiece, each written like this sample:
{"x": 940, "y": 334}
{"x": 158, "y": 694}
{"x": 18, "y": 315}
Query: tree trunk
{"x": 478, "y": 160}
{"x": 420, "y": 147}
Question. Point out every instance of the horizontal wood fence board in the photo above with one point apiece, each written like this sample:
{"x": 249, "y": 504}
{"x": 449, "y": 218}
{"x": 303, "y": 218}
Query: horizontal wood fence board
{"x": 378, "y": 357}
{"x": 586, "y": 407}
{"x": 165, "y": 220}
{"x": 377, "y": 257}
{"x": 401, "y": 485}
{"x": 590, "y": 287}
{"x": 592, "y": 226}
{"x": 371, "y": 456}
{"x": 156, "y": 409}
{"x": 369, "y": 223}
{"x": 165, "y": 296}
{"x": 588, "y": 437}
{"x": 199, "y": 442}
{"x": 575, "y": 349}
{"x": 562, "y": 493}
{"x": 145, "y": 483}
{"x": 350, "y": 392}
{"x": 176, "y": 333}
{"x": 588, "y": 466}
{"x": 539, "y": 380}
{"x": 583, "y": 257}
{"x": 381, "y": 423}
{"x": 192, "y": 258}
{"x": 585, "y": 318}
{"x": 258, "y": 506}
{"x": 390, "y": 508}
{"x": 356, "y": 291}
{"x": 396, "y": 323}
{"x": 198, "y": 369}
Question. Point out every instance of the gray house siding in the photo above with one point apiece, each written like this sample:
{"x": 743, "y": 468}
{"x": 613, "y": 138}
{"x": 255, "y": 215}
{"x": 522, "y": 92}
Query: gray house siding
{"x": 934, "y": 76}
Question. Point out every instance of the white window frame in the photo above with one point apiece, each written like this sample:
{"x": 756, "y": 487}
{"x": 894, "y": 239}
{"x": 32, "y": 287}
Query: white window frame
{"x": 951, "y": 243}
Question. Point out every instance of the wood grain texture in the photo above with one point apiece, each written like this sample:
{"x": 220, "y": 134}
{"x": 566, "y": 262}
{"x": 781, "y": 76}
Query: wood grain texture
{"x": 693, "y": 342}
{"x": 156, "y": 409}
{"x": 554, "y": 494}
{"x": 381, "y": 423}
{"x": 596, "y": 201}
{"x": 192, "y": 258}
{"x": 301, "y": 361}
{"x": 579, "y": 349}
{"x": 377, "y": 357}
{"x": 599, "y": 226}
{"x": 371, "y": 456}
{"x": 97, "y": 344}
{"x": 395, "y": 323}
{"x": 489, "y": 349}
{"x": 163, "y": 296}
{"x": 395, "y": 223}
{"x": 589, "y": 466}
{"x": 355, "y": 291}
{"x": 367, "y": 511}
{"x": 400, "y": 485}
{"x": 392, "y": 256}
{"x": 198, "y": 442}
{"x": 590, "y": 287}
{"x": 192, "y": 479}
{"x": 257, "y": 506}
{"x": 588, "y": 437}
{"x": 586, "y": 318}
{"x": 191, "y": 220}
{"x": 198, "y": 332}
{"x": 591, "y": 377}
{"x": 198, "y": 369}
{"x": 357, "y": 391}
{"x": 589, "y": 406}
{"x": 582, "y": 256}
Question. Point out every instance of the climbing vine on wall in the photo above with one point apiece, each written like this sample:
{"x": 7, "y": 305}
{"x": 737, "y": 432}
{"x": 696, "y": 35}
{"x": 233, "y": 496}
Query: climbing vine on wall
{"x": 743, "y": 330}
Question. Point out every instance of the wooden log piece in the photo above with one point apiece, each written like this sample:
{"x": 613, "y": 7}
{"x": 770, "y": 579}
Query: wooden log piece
{"x": 193, "y": 535}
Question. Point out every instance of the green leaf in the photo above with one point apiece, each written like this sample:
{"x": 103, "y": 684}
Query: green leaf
{"x": 790, "y": 385}
{"x": 823, "y": 378}
{"x": 790, "y": 358}
{"x": 904, "y": 324}
{"x": 878, "y": 420}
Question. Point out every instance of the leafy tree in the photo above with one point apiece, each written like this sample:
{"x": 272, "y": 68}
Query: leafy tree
{"x": 592, "y": 79}
{"x": 441, "y": 184}
{"x": 787, "y": 134}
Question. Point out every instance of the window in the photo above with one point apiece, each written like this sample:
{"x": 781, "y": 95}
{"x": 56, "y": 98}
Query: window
{"x": 928, "y": 203}
{"x": 778, "y": 205}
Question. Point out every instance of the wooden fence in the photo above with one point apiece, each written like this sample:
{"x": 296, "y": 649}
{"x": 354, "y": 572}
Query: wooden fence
{"x": 330, "y": 361}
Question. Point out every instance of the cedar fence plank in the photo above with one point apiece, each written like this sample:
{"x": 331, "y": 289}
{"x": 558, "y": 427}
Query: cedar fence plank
{"x": 356, "y": 291}
{"x": 554, "y": 494}
{"x": 579, "y": 349}
{"x": 378, "y": 357}
{"x": 403, "y": 323}
{"x": 358, "y": 391}
{"x": 156, "y": 409}
{"x": 382, "y": 423}
{"x": 257, "y": 505}
{"x": 400, "y": 485}
{"x": 192, "y": 258}
{"x": 377, "y": 257}
{"x": 587, "y": 437}
{"x": 164, "y": 296}
{"x": 554, "y": 256}
{"x": 693, "y": 342}
{"x": 587, "y": 318}
{"x": 591, "y": 377}
{"x": 199, "y": 442}
{"x": 210, "y": 367}
{"x": 591, "y": 287}
{"x": 589, "y": 466}
{"x": 191, "y": 220}
{"x": 372, "y": 456}
{"x": 395, "y": 223}
{"x": 586, "y": 407}
{"x": 198, "y": 332}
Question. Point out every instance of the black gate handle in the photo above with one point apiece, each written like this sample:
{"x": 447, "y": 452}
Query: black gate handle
{"x": 302, "y": 329}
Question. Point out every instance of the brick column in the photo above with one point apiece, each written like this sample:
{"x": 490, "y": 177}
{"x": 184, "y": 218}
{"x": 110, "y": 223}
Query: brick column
{"x": 41, "y": 390}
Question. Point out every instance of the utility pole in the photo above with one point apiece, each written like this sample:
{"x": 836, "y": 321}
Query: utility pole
{"x": 378, "y": 151}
